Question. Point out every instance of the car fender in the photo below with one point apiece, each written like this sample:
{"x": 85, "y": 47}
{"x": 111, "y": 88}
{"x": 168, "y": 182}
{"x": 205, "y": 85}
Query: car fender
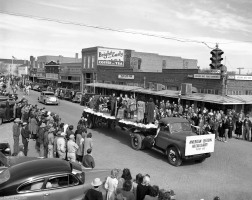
{"x": 177, "y": 147}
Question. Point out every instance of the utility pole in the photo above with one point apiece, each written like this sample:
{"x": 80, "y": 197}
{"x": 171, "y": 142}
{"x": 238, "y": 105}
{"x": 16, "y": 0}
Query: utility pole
{"x": 240, "y": 68}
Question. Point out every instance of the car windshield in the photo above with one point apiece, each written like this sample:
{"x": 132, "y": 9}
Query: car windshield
{"x": 4, "y": 176}
{"x": 180, "y": 126}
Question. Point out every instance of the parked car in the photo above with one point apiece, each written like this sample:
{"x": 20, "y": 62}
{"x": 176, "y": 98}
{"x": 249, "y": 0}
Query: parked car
{"x": 3, "y": 114}
{"x": 35, "y": 87}
{"x": 77, "y": 97}
{"x": 68, "y": 95}
{"x": 42, "y": 88}
{"x": 48, "y": 97}
{"x": 48, "y": 178}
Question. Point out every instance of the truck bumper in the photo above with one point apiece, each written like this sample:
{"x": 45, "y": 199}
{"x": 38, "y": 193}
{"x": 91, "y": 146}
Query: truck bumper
{"x": 197, "y": 157}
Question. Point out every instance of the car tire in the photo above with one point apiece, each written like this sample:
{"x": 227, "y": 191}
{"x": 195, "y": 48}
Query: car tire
{"x": 173, "y": 156}
{"x": 137, "y": 142}
{"x": 1, "y": 121}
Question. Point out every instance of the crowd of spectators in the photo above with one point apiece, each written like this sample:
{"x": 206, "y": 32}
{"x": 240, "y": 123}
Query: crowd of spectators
{"x": 54, "y": 139}
{"x": 204, "y": 121}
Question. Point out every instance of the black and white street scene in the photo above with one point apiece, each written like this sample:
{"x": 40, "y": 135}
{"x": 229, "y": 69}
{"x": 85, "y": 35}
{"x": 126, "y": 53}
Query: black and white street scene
{"x": 125, "y": 100}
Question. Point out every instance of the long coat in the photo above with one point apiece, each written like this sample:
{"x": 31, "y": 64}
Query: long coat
{"x": 33, "y": 126}
{"x": 88, "y": 144}
{"x": 150, "y": 107}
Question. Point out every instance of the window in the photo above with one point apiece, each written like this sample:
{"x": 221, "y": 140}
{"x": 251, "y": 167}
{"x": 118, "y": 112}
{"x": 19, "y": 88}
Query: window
{"x": 93, "y": 61}
{"x": 62, "y": 181}
{"x": 84, "y": 62}
{"x": 88, "y": 65}
{"x": 164, "y": 64}
{"x": 35, "y": 185}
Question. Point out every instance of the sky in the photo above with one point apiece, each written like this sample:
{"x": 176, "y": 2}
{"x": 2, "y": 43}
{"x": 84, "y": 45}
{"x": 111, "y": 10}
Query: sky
{"x": 184, "y": 28}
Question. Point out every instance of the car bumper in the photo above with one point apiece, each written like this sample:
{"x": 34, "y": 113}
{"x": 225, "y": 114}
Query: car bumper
{"x": 52, "y": 102}
{"x": 197, "y": 157}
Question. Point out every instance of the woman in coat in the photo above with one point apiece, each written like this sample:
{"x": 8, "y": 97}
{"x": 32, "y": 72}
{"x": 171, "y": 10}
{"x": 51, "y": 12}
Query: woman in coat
{"x": 238, "y": 129}
{"x": 88, "y": 143}
{"x": 33, "y": 126}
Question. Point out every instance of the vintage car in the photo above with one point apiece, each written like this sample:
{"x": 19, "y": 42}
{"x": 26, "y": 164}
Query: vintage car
{"x": 42, "y": 88}
{"x": 48, "y": 178}
{"x": 35, "y": 87}
{"x": 77, "y": 97}
{"x": 48, "y": 97}
{"x": 4, "y": 117}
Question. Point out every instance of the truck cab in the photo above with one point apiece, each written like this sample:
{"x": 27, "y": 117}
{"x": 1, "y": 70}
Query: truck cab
{"x": 171, "y": 136}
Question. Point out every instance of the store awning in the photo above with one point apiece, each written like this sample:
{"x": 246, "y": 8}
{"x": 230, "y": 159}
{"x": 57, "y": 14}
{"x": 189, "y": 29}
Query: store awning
{"x": 210, "y": 98}
{"x": 70, "y": 81}
{"x": 247, "y": 99}
{"x": 114, "y": 86}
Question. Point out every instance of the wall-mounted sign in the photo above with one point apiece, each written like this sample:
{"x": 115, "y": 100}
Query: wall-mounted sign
{"x": 52, "y": 75}
{"x": 245, "y": 78}
{"x": 231, "y": 76}
{"x": 125, "y": 76}
{"x": 110, "y": 57}
{"x": 215, "y": 71}
{"x": 207, "y": 76}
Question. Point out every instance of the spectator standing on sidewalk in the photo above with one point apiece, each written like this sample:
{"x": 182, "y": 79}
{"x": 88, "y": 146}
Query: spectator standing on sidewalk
{"x": 247, "y": 127}
{"x": 40, "y": 139}
{"x": 88, "y": 143}
{"x": 88, "y": 160}
{"x": 16, "y": 134}
{"x": 238, "y": 128}
{"x": 72, "y": 147}
{"x": 50, "y": 142}
{"x": 61, "y": 146}
{"x": 25, "y": 137}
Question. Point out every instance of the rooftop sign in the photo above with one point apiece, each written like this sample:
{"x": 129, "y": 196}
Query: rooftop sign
{"x": 110, "y": 57}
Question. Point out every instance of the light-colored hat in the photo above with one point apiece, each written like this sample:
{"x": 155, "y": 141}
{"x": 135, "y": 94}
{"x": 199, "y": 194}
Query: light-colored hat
{"x": 17, "y": 120}
{"x": 24, "y": 123}
{"x": 58, "y": 133}
{"x": 96, "y": 182}
{"x": 49, "y": 113}
{"x": 51, "y": 129}
{"x": 63, "y": 134}
{"x": 42, "y": 125}
{"x": 71, "y": 136}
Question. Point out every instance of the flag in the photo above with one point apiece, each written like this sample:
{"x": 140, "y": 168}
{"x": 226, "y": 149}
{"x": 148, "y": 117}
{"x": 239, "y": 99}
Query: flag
{"x": 14, "y": 58}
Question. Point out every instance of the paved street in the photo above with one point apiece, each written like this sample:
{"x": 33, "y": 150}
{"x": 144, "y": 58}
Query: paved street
{"x": 227, "y": 173}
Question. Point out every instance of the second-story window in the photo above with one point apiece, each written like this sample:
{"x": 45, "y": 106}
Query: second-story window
{"x": 89, "y": 58}
{"x": 84, "y": 62}
{"x": 93, "y": 60}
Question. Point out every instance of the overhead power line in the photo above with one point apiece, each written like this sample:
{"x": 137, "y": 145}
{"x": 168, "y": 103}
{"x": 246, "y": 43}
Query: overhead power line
{"x": 107, "y": 28}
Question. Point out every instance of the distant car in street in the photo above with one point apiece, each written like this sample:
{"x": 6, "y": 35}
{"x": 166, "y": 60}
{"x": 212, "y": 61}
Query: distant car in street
{"x": 48, "y": 178}
{"x": 77, "y": 97}
{"x": 48, "y": 97}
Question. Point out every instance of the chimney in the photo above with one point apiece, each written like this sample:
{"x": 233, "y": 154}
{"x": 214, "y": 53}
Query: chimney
{"x": 76, "y": 55}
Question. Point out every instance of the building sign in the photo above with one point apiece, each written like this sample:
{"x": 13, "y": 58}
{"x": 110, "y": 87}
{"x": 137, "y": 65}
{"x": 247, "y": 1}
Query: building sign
{"x": 199, "y": 144}
{"x": 125, "y": 76}
{"x": 52, "y": 76}
{"x": 207, "y": 76}
{"x": 245, "y": 78}
{"x": 215, "y": 71}
{"x": 231, "y": 76}
{"x": 110, "y": 57}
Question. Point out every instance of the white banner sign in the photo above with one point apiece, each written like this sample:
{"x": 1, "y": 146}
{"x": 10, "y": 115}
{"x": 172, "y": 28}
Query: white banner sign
{"x": 245, "y": 78}
{"x": 199, "y": 144}
{"x": 110, "y": 57}
{"x": 207, "y": 76}
{"x": 52, "y": 75}
{"x": 125, "y": 76}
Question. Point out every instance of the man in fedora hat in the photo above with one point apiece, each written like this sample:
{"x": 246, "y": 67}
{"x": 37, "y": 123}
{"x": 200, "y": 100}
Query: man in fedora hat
{"x": 25, "y": 137}
{"x": 16, "y": 134}
{"x": 40, "y": 139}
{"x": 94, "y": 193}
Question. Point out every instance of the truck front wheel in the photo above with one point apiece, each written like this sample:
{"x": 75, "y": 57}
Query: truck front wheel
{"x": 173, "y": 156}
{"x": 137, "y": 142}
{"x": 1, "y": 121}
